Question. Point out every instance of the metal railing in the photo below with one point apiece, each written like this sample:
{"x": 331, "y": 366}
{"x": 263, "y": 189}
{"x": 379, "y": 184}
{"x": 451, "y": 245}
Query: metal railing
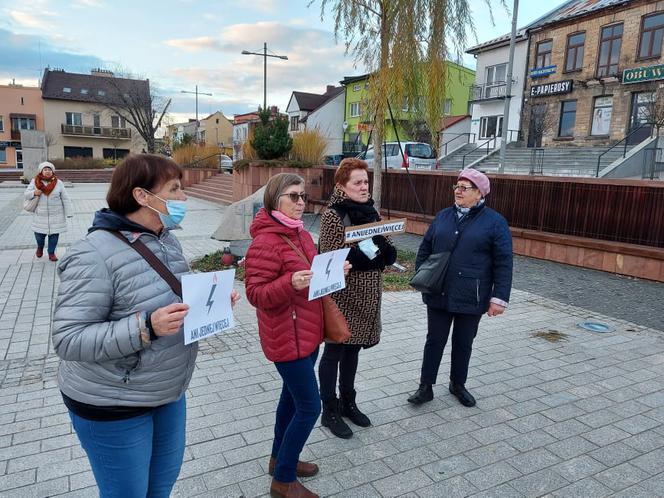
{"x": 486, "y": 91}
{"x": 443, "y": 147}
{"x": 625, "y": 140}
{"x": 537, "y": 161}
{"x": 483, "y": 144}
{"x": 96, "y": 131}
{"x": 195, "y": 163}
{"x": 354, "y": 147}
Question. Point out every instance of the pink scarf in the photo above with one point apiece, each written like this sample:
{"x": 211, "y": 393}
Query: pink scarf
{"x": 287, "y": 221}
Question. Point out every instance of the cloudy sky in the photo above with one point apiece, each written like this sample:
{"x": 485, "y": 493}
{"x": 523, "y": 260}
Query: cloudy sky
{"x": 178, "y": 44}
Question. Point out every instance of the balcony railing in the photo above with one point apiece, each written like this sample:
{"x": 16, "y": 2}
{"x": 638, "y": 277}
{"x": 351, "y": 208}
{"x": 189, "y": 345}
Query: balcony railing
{"x": 487, "y": 91}
{"x": 96, "y": 131}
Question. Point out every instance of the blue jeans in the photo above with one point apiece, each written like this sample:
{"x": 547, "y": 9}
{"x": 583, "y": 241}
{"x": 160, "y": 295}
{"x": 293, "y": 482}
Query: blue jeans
{"x": 136, "y": 457}
{"x": 52, "y": 241}
{"x": 297, "y": 412}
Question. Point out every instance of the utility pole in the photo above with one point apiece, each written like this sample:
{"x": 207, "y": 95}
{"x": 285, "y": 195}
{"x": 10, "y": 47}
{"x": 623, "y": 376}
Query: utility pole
{"x": 508, "y": 89}
{"x": 265, "y": 55}
{"x": 197, "y": 94}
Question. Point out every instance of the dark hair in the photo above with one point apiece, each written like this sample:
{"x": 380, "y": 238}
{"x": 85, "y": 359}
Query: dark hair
{"x": 276, "y": 186}
{"x": 148, "y": 171}
{"x": 346, "y": 167}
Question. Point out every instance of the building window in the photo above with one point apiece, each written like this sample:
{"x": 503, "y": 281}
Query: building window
{"x": 602, "y": 111}
{"x": 3, "y": 155}
{"x": 294, "y": 123}
{"x": 609, "y": 50}
{"x": 66, "y": 90}
{"x": 574, "y": 52}
{"x": 101, "y": 93}
{"x": 84, "y": 91}
{"x": 2, "y": 124}
{"x": 567, "y": 118}
{"x": 118, "y": 122}
{"x": 543, "y": 55}
{"x": 23, "y": 124}
{"x": 356, "y": 88}
{"x": 77, "y": 152}
{"x": 73, "y": 118}
{"x": 354, "y": 109}
{"x": 496, "y": 74}
{"x": 652, "y": 30}
{"x": 447, "y": 107}
{"x": 491, "y": 126}
{"x": 115, "y": 154}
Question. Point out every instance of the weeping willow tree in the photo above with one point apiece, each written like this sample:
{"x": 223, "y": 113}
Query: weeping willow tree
{"x": 403, "y": 44}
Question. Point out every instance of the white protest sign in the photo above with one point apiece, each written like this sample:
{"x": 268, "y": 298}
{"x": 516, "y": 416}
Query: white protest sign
{"x": 328, "y": 271}
{"x": 209, "y": 298}
{"x": 360, "y": 232}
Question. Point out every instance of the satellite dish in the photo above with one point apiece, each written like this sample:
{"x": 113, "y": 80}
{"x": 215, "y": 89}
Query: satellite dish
{"x": 345, "y": 125}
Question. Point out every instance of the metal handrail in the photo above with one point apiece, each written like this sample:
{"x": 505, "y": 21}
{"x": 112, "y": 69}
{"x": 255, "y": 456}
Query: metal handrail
{"x": 191, "y": 164}
{"x": 455, "y": 138}
{"x": 599, "y": 158}
{"x": 463, "y": 162}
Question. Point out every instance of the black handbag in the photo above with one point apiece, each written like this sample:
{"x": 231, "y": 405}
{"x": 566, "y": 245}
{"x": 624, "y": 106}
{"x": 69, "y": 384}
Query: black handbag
{"x": 430, "y": 276}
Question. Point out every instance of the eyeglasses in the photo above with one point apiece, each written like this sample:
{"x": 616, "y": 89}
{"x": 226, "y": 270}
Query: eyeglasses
{"x": 463, "y": 188}
{"x": 294, "y": 196}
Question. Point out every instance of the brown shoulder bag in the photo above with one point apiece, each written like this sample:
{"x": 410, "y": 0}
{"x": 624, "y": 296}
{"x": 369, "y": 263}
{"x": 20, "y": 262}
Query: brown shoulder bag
{"x": 335, "y": 324}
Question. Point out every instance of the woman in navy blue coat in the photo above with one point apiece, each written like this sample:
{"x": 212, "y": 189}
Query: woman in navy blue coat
{"x": 478, "y": 281}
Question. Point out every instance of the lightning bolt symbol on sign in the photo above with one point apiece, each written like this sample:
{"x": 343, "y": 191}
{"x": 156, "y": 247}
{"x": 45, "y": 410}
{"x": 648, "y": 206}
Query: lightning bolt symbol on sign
{"x": 210, "y": 302}
{"x": 327, "y": 270}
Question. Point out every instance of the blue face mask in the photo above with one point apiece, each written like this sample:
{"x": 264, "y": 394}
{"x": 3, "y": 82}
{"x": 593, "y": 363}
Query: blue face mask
{"x": 176, "y": 211}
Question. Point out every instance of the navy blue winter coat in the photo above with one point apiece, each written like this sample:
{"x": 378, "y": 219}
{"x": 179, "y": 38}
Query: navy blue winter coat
{"x": 481, "y": 265}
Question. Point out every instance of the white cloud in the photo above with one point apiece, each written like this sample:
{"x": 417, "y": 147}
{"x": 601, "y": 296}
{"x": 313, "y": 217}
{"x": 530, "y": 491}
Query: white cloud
{"x": 32, "y": 20}
{"x": 314, "y": 61}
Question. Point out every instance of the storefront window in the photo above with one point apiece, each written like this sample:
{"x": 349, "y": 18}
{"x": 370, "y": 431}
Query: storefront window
{"x": 491, "y": 126}
{"x": 602, "y": 112}
{"x": 567, "y": 118}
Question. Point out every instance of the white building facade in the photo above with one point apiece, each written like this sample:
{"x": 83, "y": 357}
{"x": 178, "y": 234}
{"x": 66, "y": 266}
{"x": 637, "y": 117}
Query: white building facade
{"x": 487, "y": 96}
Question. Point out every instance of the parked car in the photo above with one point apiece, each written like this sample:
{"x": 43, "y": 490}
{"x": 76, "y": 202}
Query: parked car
{"x": 333, "y": 160}
{"x": 416, "y": 155}
{"x": 225, "y": 162}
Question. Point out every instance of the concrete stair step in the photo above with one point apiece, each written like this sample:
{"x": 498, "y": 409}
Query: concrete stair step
{"x": 208, "y": 197}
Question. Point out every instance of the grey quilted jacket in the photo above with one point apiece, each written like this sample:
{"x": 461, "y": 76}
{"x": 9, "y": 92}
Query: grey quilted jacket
{"x": 103, "y": 283}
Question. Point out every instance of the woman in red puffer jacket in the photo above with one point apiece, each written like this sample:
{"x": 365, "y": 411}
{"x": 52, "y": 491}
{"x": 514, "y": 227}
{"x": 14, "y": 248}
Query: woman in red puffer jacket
{"x": 290, "y": 326}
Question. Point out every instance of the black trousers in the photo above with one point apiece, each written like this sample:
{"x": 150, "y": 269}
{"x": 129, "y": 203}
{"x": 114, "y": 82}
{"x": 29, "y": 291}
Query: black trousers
{"x": 463, "y": 333}
{"x": 341, "y": 359}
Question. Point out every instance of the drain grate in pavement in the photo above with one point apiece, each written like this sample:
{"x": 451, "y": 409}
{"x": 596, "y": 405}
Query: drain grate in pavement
{"x": 550, "y": 335}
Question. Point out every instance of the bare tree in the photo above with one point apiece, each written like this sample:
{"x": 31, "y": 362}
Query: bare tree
{"x": 49, "y": 140}
{"x": 403, "y": 45}
{"x": 139, "y": 104}
{"x": 541, "y": 120}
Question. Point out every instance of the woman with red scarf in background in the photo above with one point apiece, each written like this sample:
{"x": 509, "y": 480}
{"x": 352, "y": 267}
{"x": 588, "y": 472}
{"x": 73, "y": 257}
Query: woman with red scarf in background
{"x": 53, "y": 207}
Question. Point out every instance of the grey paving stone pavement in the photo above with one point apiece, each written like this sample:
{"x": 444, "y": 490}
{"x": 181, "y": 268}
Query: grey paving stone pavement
{"x": 580, "y": 417}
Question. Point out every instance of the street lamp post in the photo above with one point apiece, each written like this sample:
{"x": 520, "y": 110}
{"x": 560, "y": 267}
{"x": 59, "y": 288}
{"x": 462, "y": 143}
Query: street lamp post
{"x": 508, "y": 89}
{"x": 197, "y": 94}
{"x": 265, "y": 55}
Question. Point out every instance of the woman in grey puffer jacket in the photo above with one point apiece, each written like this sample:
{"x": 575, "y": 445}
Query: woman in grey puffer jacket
{"x": 118, "y": 330}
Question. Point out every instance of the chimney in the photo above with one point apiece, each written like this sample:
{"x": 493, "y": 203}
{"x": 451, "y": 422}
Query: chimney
{"x": 330, "y": 89}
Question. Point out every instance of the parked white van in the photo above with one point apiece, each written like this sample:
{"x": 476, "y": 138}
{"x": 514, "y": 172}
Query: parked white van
{"x": 417, "y": 155}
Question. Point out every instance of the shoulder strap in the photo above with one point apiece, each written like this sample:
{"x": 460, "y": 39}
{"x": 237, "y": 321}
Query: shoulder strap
{"x": 153, "y": 261}
{"x": 295, "y": 248}
{"x": 343, "y": 216}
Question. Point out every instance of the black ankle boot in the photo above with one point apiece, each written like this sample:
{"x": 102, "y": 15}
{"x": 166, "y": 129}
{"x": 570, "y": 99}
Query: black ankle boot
{"x": 462, "y": 394}
{"x": 349, "y": 409}
{"x": 331, "y": 419}
{"x": 423, "y": 394}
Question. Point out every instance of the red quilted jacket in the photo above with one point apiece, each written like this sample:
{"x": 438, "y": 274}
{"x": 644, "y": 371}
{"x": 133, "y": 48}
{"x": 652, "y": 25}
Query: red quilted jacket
{"x": 290, "y": 326}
